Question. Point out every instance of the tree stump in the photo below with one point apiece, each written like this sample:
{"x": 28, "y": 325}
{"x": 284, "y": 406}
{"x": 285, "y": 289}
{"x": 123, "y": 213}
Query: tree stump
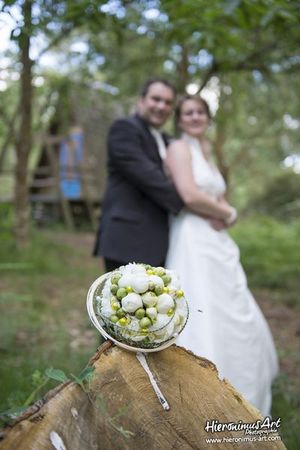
{"x": 70, "y": 419}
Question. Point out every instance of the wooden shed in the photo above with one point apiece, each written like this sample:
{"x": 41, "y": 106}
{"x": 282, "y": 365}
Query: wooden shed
{"x": 69, "y": 176}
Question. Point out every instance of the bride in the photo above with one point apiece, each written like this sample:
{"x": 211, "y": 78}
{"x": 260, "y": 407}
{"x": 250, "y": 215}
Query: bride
{"x": 225, "y": 325}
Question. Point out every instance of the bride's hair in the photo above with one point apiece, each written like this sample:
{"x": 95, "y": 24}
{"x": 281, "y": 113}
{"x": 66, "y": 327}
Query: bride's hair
{"x": 183, "y": 99}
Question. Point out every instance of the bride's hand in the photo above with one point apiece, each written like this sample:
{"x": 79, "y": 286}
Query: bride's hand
{"x": 232, "y": 213}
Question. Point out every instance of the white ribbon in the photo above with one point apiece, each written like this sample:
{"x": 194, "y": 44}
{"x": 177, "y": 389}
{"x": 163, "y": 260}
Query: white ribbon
{"x": 142, "y": 360}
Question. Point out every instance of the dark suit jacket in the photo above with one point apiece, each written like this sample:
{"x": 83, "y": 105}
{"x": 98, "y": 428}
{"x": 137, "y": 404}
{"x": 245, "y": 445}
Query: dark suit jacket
{"x": 138, "y": 198}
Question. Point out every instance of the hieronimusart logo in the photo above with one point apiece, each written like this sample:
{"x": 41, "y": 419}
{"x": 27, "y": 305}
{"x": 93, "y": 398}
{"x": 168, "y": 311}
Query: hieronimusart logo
{"x": 260, "y": 430}
{"x": 267, "y": 425}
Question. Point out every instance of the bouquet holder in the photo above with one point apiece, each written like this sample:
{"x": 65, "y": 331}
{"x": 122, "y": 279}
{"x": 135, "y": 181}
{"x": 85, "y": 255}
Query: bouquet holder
{"x": 140, "y": 352}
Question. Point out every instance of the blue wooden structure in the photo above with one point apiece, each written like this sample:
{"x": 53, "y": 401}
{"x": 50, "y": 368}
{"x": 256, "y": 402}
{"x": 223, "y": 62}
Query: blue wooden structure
{"x": 70, "y": 160}
{"x": 61, "y": 180}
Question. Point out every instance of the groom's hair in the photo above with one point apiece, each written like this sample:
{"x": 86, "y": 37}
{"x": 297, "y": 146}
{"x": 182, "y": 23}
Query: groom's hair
{"x": 145, "y": 88}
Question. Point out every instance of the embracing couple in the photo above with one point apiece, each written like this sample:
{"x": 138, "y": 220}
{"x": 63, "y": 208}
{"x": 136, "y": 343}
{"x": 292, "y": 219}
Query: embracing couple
{"x": 165, "y": 205}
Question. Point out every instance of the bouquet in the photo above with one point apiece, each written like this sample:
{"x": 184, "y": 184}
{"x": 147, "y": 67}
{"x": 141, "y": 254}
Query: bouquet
{"x": 138, "y": 306}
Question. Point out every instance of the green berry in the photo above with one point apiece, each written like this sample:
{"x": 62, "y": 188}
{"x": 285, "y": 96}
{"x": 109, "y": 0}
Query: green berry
{"x": 145, "y": 322}
{"x": 122, "y": 322}
{"x": 115, "y": 306}
{"x": 140, "y": 313}
{"x": 120, "y": 313}
{"x": 114, "y": 288}
{"x": 166, "y": 279}
{"x": 158, "y": 290}
{"x": 160, "y": 271}
{"x": 113, "y": 318}
{"x": 115, "y": 278}
{"x": 121, "y": 292}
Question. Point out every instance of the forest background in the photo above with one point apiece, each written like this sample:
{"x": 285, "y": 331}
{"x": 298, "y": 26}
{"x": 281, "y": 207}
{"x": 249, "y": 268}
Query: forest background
{"x": 243, "y": 56}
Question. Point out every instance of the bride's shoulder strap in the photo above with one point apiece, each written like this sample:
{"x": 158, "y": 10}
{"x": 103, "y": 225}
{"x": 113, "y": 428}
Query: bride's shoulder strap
{"x": 207, "y": 148}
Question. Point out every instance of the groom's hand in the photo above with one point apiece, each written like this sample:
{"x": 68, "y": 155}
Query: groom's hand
{"x": 217, "y": 224}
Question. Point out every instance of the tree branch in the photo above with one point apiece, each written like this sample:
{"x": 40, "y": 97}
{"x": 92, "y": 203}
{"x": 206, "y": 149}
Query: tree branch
{"x": 207, "y": 76}
{"x": 62, "y": 35}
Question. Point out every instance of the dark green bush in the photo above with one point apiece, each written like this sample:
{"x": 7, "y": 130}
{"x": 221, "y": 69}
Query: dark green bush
{"x": 281, "y": 198}
{"x": 270, "y": 252}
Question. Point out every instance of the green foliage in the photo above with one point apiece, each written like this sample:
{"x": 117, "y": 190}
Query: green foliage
{"x": 56, "y": 374}
{"x": 238, "y": 34}
{"x": 40, "y": 380}
{"x": 281, "y": 197}
{"x": 83, "y": 380}
{"x": 287, "y": 405}
{"x": 253, "y": 122}
{"x": 270, "y": 252}
{"x": 112, "y": 420}
{"x": 39, "y": 258}
{"x": 42, "y": 311}
{"x": 241, "y": 46}
{"x": 43, "y": 317}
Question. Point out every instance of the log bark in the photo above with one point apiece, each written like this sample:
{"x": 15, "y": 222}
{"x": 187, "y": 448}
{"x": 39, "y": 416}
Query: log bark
{"x": 77, "y": 421}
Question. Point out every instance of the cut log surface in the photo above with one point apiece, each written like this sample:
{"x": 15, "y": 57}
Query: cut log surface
{"x": 122, "y": 396}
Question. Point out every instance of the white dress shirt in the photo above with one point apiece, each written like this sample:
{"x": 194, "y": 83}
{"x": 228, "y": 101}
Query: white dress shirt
{"x": 160, "y": 142}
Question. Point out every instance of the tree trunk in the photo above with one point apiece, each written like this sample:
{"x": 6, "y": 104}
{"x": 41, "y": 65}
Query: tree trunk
{"x": 9, "y": 139}
{"x": 23, "y": 147}
{"x": 219, "y": 151}
{"x": 70, "y": 419}
{"x": 183, "y": 75}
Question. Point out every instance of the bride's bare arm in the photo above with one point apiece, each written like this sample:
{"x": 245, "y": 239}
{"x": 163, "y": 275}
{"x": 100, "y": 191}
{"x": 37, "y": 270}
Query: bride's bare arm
{"x": 179, "y": 165}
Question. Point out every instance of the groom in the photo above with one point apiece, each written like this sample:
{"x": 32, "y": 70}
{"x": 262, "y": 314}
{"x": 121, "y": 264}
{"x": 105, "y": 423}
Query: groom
{"x": 139, "y": 196}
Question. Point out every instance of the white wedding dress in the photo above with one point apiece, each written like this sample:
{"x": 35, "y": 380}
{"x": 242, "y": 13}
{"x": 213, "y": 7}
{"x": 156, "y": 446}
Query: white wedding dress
{"x": 225, "y": 324}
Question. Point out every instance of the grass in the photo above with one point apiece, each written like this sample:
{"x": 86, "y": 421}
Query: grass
{"x": 286, "y": 405}
{"x": 42, "y": 312}
{"x": 270, "y": 253}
